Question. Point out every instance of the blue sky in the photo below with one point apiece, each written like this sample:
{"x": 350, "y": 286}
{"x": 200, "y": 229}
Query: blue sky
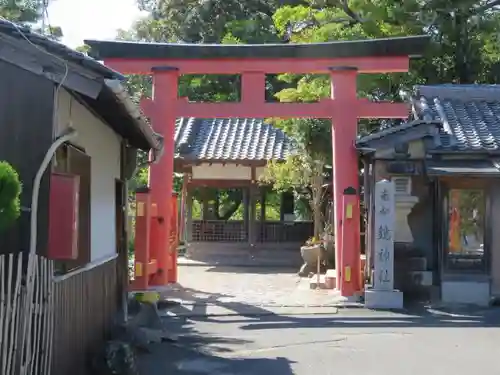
{"x": 91, "y": 19}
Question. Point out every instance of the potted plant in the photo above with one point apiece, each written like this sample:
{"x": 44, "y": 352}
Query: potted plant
{"x": 312, "y": 252}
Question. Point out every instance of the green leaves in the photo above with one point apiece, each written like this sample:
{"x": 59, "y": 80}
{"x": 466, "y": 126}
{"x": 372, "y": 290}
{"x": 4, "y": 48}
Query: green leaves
{"x": 10, "y": 191}
{"x": 25, "y": 11}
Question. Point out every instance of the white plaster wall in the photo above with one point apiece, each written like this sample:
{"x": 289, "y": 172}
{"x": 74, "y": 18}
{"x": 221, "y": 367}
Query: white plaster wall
{"x": 206, "y": 171}
{"x": 417, "y": 149}
{"x": 259, "y": 171}
{"x": 102, "y": 144}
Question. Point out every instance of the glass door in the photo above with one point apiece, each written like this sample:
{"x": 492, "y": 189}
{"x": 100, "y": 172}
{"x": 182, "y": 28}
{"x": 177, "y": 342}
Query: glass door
{"x": 465, "y": 249}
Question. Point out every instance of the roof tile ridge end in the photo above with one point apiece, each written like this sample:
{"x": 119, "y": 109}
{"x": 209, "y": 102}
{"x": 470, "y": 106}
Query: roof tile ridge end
{"x": 444, "y": 121}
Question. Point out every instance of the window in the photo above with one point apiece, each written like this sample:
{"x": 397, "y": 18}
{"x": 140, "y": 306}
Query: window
{"x": 465, "y": 250}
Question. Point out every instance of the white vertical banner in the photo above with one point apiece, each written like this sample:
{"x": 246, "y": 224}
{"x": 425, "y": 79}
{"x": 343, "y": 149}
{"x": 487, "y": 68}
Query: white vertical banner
{"x": 384, "y": 218}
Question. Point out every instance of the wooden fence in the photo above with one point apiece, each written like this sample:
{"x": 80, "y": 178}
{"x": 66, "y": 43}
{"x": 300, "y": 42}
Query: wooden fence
{"x": 25, "y": 344}
{"x": 86, "y": 304}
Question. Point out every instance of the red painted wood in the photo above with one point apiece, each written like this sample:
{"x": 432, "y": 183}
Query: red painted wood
{"x": 163, "y": 118}
{"x": 344, "y": 108}
{"x": 63, "y": 217}
{"x": 351, "y": 255}
{"x": 322, "y": 109}
{"x": 345, "y": 174}
{"x": 269, "y": 66}
{"x": 155, "y": 235}
{"x": 142, "y": 243}
{"x": 174, "y": 239}
{"x": 253, "y": 89}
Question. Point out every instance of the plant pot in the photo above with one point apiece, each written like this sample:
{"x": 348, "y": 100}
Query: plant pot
{"x": 310, "y": 255}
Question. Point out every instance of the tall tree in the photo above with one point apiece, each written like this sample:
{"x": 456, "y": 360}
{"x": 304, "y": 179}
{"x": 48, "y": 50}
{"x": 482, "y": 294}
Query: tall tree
{"x": 28, "y": 13}
{"x": 215, "y": 21}
{"x": 464, "y": 32}
{"x": 465, "y": 51}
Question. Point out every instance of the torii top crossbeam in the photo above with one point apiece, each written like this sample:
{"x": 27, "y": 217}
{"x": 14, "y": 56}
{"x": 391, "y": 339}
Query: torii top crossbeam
{"x": 368, "y": 56}
{"x": 342, "y": 60}
{"x": 254, "y": 61}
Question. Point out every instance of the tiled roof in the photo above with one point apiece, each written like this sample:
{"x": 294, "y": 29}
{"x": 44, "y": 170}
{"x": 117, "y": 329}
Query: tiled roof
{"x": 230, "y": 140}
{"x": 469, "y": 114}
{"x": 109, "y": 102}
{"x": 388, "y": 131}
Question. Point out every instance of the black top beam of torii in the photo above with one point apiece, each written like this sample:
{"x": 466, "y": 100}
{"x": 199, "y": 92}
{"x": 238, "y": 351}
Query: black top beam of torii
{"x": 411, "y": 46}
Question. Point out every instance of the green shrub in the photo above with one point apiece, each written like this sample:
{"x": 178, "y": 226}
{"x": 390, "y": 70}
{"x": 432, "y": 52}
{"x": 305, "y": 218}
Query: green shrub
{"x": 10, "y": 190}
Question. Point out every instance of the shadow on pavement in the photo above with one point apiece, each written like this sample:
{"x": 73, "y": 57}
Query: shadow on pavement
{"x": 418, "y": 315}
{"x": 409, "y": 319}
{"x": 195, "y": 302}
{"x": 168, "y": 359}
{"x": 194, "y": 353}
{"x": 187, "y": 336}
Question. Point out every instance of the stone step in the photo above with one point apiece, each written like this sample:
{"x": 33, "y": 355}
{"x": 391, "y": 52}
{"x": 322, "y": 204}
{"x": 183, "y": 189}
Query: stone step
{"x": 421, "y": 278}
{"x": 331, "y": 279}
{"x": 313, "y": 282}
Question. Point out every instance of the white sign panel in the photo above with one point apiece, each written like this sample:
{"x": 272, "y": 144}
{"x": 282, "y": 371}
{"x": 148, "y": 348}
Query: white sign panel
{"x": 384, "y": 235}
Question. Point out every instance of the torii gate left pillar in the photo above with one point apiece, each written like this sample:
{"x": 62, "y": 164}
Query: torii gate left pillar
{"x": 342, "y": 60}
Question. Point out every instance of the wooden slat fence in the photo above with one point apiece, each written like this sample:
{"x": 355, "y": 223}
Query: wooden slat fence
{"x": 25, "y": 345}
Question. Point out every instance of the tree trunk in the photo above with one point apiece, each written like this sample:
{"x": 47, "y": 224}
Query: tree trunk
{"x": 318, "y": 227}
{"x": 317, "y": 205}
{"x": 317, "y": 215}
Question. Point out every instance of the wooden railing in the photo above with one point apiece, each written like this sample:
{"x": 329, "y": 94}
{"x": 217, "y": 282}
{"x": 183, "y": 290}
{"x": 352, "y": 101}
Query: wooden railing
{"x": 277, "y": 231}
{"x": 219, "y": 231}
{"x": 236, "y": 231}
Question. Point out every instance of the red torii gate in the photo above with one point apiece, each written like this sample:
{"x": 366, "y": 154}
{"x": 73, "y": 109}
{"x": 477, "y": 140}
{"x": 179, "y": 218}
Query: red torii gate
{"x": 343, "y": 61}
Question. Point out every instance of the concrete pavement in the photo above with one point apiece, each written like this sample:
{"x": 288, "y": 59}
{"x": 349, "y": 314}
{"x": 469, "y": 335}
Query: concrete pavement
{"x": 264, "y": 336}
{"x": 249, "y": 286}
{"x": 349, "y": 342}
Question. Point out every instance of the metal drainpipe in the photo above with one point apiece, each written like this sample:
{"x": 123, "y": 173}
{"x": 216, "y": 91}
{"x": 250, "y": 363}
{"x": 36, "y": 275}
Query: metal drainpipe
{"x": 28, "y": 306}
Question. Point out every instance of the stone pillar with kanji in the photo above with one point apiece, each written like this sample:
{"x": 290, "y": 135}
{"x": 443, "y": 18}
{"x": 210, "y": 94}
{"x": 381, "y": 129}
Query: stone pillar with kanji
{"x": 382, "y": 294}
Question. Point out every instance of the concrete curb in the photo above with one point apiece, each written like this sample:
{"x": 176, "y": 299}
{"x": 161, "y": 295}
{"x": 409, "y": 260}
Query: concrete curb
{"x": 212, "y": 310}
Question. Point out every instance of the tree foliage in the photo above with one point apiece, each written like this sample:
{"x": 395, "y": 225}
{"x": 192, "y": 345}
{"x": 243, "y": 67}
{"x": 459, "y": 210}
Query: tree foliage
{"x": 28, "y": 13}
{"x": 24, "y": 11}
{"x": 10, "y": 191}
{"x": 464, "y": 49}
{"x": 304, "y": 174}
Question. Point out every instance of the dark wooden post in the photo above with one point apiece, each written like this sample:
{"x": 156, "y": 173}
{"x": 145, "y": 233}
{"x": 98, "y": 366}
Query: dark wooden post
{"x": 189, "y": 215}
{"x": 262, "y": 213}
{"x": 246, "y": 212}
{"x": 252, "y": 238}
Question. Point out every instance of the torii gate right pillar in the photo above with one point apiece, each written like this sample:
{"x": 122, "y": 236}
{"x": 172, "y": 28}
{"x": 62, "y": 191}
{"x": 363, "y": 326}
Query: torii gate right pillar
{"x": 346, "y": 179}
